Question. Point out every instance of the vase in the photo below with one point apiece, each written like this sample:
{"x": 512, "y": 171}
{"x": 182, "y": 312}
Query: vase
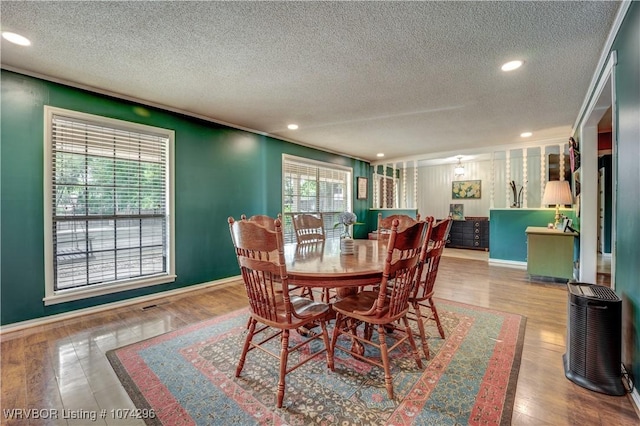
{"x": 345, "y": 232}
{"x": 346, "y": 245}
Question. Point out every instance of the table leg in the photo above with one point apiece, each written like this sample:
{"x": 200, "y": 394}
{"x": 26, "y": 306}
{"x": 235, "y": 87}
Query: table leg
{"x": 342, "y": 292}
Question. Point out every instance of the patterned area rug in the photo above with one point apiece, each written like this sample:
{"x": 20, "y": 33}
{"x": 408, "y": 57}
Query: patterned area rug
{"x": 187, "y": 377}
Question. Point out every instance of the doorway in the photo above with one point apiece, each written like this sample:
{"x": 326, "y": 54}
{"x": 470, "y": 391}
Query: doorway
{"x": 597, "y": 203}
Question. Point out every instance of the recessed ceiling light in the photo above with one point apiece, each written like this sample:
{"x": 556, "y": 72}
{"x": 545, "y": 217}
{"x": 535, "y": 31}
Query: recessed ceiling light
{"x": 292, "y": 127}
{"x": 526, "y": 134}
{"x": 510, "y": 66}
{"x": 16, "y": 38}
{"x": 380, "y": 154}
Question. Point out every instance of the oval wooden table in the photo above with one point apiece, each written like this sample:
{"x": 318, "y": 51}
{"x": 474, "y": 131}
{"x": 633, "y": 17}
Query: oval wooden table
{"x": 321, "y": 265}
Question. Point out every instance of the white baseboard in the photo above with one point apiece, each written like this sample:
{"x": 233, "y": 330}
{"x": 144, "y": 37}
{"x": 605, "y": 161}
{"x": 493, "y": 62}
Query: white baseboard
{"x": 508, "y": 263}
{"x": 9, "y": 328}
{"x": 635, "y": 397}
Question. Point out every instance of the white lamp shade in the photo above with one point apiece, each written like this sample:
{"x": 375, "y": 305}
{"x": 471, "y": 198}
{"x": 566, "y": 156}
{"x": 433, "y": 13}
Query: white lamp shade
{"x": 557, "y": 192}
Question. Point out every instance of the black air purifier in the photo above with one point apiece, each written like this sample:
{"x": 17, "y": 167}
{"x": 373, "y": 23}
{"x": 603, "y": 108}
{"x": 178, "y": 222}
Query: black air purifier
{"x": 594, "y": 338}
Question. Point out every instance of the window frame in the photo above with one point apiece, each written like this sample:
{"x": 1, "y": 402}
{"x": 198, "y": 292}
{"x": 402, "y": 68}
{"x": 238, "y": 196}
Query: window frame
{"x": 379, "y": 187}
{"x": 348, "y": 197}
{"x": 53, "y": 296}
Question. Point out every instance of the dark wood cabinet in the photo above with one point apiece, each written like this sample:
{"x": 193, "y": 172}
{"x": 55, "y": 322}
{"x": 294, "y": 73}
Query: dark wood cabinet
{"x": 471, "y": 233}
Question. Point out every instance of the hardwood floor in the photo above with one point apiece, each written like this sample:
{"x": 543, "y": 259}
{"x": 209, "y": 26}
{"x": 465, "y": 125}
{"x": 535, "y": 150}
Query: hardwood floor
{"x": 63, "y": 365}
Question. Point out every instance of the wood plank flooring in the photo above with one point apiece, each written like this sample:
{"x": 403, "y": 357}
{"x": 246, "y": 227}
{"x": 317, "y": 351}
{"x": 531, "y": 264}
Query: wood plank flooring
{"x": 63, "y": 365}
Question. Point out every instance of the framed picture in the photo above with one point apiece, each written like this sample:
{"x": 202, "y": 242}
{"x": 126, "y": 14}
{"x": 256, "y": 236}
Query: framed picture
{"x": 574, "y": 155}
{"x": 363, "y": 185}
{"x": 456, "y": 211}
{"x": 465, "y": 189}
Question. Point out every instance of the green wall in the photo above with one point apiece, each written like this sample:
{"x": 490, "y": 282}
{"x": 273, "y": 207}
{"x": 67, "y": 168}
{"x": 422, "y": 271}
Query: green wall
{"x": 507, "y": 230}
{"x": 220, "y": 172}
{"x": 372, "y": 216}
{"x": 627, "y": 158}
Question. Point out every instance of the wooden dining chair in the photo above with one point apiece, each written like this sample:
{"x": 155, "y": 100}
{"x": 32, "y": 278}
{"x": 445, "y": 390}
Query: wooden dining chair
{"x": 308, "y": 227}
{"x": 385, "y": 223}
{"x": 306, "y": 251}
{"x": 428, "y": 271}
{"x": 384, "y": 307}
{"x": 262, "y": 264}
{"x": 263, "y": 220}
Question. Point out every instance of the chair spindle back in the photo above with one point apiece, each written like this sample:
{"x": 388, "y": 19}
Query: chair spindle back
{"x": 309, "y": 227}
{"x": 399, "y": 274}
{"x": 260, "y": 254}
{"x": 431, "y": 259}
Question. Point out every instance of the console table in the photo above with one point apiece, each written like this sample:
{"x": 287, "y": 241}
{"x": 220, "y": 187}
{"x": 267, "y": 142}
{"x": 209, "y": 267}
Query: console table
{"x": 550, "y": 252}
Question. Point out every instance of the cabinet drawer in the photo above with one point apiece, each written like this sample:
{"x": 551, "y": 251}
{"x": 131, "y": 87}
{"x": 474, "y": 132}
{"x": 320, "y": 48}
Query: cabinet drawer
{"x": 471, "y": 233}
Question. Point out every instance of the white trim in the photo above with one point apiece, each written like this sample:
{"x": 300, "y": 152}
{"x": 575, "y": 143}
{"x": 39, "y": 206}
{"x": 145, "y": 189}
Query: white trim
{"x": 53, "y": 297}
{"x": 108, "y": 306}
{"x": 385, "y": 187}
{"x": 63, "y": 296}
{"x": 604, "y": 57}
{"x": 614, "y": 171}
{"x": 474, "y": 151}
{"x": 607, "y": 72}
{"x": 384, "y": 179}
{"x": 492, "y": 181}
{"x": 168, "y": 108}
{"x": 325, "y": 164}
{"x": 508, "y": 263}
{"x": 415, "y": 184}
{"x": 635, "y": 397}
{"x": 295, "y": 160}
{"x": 393, "y": 208}
{"x": 316, "y": 163}
{"x": 589, "y": 151}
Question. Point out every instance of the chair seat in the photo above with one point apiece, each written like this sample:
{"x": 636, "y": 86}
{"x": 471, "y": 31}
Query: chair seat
{"x": 306, "y": 310}
{"x": 363, "y": 301}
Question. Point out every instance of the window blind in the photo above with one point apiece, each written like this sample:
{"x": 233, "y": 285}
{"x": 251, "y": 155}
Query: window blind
{"x": 311, "y": 187}
{"x": 109, "y": 195}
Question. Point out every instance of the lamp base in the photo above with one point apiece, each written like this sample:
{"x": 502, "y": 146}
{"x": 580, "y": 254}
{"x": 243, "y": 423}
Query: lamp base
{"x": 557, "y": 222}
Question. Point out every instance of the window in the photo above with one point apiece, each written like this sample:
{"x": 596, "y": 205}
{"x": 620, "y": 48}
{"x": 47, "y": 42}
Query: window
{"x": 311, "y": 187}
{"x": 386, "y": 186}
{"x": 108, "y": 205}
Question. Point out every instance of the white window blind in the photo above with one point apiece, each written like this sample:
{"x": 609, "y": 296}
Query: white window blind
{"x": 312, "y": 187}
{"x": 109, "y": 202}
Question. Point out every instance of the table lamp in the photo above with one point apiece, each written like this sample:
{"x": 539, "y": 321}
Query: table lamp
{"x": 557, "y": 192}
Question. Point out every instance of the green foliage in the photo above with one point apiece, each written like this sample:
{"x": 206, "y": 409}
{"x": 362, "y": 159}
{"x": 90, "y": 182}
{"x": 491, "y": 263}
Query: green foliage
{"x": 106, "y": 186}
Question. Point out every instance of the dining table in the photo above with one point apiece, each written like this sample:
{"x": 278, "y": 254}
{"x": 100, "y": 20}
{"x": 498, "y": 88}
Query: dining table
{"x": 323, "y": 265}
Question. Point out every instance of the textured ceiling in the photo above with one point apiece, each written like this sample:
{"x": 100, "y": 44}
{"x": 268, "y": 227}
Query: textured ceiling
{"x": 403, "y": 78}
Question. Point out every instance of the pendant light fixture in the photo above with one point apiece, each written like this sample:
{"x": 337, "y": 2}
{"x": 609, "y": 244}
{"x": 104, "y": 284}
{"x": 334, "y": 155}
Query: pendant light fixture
{"x": 458, "y": 171}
